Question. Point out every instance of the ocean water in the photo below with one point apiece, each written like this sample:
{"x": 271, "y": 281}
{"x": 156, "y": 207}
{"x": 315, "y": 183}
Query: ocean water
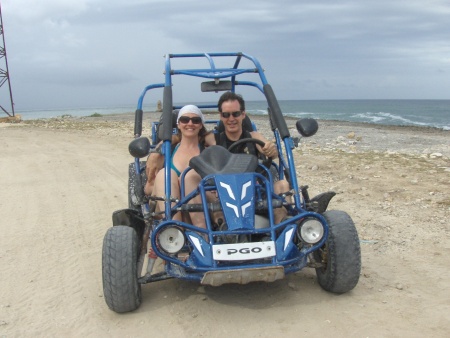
{"x": 421, "y": 113}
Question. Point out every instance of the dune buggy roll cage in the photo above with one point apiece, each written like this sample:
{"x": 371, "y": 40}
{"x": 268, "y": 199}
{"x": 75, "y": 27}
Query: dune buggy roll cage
{"x": 278, "y": 124}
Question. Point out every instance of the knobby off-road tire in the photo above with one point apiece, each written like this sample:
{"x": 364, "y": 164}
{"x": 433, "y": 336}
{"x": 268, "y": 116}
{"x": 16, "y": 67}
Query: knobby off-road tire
{"x": 120, "y": 255}
{"x": 136, "y": 192}
{"x": 341, "y": 254}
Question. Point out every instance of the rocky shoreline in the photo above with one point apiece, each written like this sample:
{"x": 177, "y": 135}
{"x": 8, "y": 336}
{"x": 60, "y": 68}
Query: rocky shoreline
{"x": 332, "y": 135}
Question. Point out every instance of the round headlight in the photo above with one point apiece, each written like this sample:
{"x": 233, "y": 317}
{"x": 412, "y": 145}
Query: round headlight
{"x": 171, "y": 240}
{"x": 311, "y": 231}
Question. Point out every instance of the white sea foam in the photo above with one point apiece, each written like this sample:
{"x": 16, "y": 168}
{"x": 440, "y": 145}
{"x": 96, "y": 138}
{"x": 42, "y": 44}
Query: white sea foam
{"x": 388, "y": 118}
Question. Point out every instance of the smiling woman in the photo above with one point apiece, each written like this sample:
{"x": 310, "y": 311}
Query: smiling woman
{"x": 190, "y": 123}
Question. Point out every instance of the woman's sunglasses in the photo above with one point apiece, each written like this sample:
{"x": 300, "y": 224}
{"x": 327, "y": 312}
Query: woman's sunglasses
{"x": 186, "y": 119}
{"x": 235, "y": 114}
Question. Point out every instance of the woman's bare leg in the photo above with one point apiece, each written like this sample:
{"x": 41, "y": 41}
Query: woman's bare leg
{"x": 191, "y": 182}
{"x": 160, "y": 187}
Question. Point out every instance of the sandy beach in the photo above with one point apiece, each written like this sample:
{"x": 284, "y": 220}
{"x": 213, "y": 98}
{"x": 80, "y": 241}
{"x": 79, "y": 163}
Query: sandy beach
{"x": 61, "y": 179}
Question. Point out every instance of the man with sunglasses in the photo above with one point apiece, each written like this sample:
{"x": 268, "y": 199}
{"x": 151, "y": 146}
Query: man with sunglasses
{"x": 232, "y": 114}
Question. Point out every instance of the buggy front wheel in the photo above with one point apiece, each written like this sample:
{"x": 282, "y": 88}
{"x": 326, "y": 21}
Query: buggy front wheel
{"x": 340, "y": 255}
{"x": 120, "y": 256}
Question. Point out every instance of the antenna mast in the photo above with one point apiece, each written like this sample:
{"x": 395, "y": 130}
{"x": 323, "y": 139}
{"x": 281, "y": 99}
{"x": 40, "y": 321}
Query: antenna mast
{"x": 4, "y": 72}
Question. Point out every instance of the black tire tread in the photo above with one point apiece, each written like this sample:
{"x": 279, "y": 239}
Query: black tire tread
{"x": 121, "y": 289}
{"x": 133, "y": 188}
{"x": 343, "y": 265}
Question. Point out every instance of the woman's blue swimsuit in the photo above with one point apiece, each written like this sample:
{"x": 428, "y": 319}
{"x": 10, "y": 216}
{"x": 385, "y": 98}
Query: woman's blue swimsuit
{"x": 173, "y": 154}
{"x": 171, "y": 161}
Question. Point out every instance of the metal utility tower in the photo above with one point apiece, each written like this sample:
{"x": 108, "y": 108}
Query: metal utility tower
{"x": 4, "y": 72}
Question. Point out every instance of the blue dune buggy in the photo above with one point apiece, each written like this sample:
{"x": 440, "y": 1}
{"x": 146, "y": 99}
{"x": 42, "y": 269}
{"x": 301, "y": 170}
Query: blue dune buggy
{"x": 247, "y": 246}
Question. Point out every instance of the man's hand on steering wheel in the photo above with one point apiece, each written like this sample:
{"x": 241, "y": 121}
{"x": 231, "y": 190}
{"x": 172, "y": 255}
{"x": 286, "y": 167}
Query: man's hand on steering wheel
{"x": 269, "y": 146}
{"x": 269, "y": 149}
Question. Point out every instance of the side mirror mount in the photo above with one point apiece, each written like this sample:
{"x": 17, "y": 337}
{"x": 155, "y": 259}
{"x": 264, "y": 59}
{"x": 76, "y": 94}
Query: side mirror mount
{"x": 139, "y": 147}
{"x": 307, "y": 127}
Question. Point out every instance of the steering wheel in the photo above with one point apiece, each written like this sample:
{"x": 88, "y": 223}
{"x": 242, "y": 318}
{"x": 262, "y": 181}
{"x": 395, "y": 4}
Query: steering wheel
{"x": 266, "y": 161}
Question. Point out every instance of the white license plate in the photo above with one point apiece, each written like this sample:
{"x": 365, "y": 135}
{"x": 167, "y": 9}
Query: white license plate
{"x": 243, "y": 251}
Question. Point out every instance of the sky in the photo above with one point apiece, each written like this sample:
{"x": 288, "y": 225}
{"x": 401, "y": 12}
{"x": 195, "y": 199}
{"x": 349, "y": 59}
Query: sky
{"x": 102, "y": 53}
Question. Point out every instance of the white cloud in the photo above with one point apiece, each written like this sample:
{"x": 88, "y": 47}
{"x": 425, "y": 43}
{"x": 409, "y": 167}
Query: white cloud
{"x": 311, "y": 49}
{"x": 29, "y": 11}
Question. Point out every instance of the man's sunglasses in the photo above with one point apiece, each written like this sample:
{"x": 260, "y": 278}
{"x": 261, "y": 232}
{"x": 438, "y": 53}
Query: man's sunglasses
{"x": 235, "y": 114}
{"x": 186, "y": 119}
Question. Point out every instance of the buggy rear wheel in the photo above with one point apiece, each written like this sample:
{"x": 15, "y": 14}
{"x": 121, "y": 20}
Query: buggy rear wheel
{"x": 136, "y": 183}
{"x": 119, "y": 269}
{"x": 341, "y": 254}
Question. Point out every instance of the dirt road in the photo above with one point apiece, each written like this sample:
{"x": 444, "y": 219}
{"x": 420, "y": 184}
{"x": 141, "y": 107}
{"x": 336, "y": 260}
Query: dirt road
{"x": 59, "y": 187}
